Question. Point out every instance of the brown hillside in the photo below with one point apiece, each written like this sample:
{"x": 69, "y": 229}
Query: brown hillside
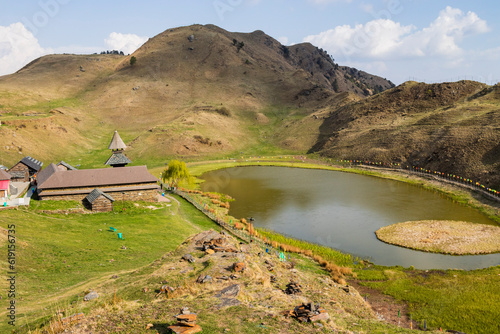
{"x": 450, "y": 127}
{"x": 197, "y": 90}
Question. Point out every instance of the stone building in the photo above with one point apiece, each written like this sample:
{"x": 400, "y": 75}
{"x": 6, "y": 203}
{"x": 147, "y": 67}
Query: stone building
{"x": 98, "y": 201}
{"x": 25, "y": 169}
{"x": 133, "y": 183}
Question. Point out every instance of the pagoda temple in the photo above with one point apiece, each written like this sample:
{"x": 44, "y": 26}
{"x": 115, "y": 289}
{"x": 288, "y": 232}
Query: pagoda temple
{"x": 117, "y": 146}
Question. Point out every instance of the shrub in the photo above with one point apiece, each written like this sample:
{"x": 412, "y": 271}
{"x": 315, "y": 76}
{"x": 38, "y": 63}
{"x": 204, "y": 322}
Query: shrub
{"x": 224, "y": 111}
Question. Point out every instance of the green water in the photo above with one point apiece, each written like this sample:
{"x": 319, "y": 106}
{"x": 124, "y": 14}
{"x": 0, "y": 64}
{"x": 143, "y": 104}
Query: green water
{"x": 343, "y": 211}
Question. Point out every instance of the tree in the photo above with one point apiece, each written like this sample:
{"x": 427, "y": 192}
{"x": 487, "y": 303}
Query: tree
{"x": 133, "y": 60}
{"x": 239, "y": 46}
{"x": 176, "y": 172}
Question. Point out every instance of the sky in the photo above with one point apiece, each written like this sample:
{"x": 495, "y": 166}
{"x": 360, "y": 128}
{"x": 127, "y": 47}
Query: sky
{"x": 401, "y": 40}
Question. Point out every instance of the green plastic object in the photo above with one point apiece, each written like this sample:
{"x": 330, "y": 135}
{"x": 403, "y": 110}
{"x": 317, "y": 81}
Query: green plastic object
{"x": 120, "y": 236}
{"x": 112, "y": 229}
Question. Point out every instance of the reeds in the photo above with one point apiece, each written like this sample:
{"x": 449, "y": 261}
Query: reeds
{"x": 335, "y": 262}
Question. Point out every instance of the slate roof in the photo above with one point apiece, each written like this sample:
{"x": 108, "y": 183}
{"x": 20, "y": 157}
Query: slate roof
{"x": 4, "y": 175}
{"x": 118, "y": 158}
{"x": 117, "y": 143}
{"x": 67, "y": 165}
{"x": 80, "y": 191}
{"x": 95, "y": 194}
{"x": 53, "y": 178}
{"x": 32, "y": 163}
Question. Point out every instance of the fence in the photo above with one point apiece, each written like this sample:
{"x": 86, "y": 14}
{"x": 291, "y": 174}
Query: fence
{"x": 452, "y": 178}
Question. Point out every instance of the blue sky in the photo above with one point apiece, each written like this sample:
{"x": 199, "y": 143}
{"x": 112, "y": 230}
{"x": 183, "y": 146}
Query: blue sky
{"x": 422, "y": 40}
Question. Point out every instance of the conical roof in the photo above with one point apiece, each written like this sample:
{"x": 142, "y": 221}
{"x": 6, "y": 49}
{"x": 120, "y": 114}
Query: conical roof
{"x": 117, "y": 143}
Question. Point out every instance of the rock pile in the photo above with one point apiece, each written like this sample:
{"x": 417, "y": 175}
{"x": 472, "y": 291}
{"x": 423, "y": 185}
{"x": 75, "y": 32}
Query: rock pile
{"x": 293, "y": 288}
{"x": 186, "y": 323}
{"x": 308, "y": 313}
{"x": 219, "y": 244}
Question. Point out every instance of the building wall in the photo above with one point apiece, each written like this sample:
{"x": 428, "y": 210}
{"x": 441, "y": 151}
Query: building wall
{"x": 19, "y": 172}
{"x": 4, "y": 185}
{"x": 102, "y": 204}
{"x": 134, "y": 195}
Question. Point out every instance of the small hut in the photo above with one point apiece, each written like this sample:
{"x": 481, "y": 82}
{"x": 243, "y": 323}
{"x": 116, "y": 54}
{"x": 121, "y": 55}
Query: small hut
{"x": 24, "y": 170}
{"x": 99, "y": 201}
{"x": 4, "y": 183}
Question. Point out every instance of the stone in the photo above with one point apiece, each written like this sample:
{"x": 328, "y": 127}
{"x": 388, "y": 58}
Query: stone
{"x": 293, "y": 288}
{"x": 230, "y": 291}
{"x": 204, "y": 279}
{"x": 177, "y": 329}
{"x": 228, "y": 302}
{"x": 318, "y": 317}
{"x": 187, "y": 319}
{"x": 189, "y": 258}
{"x": 91, "y": 295}
{"x": 308, "y": 313}
{"x": 239, "y": 266}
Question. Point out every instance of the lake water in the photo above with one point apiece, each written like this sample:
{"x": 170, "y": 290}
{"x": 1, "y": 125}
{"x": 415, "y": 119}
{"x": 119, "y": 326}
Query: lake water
{"x": 343, "y": 211}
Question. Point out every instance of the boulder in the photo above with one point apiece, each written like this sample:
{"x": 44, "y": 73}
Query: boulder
{"x": 230, "y": 291}
{"x": 91, "y": 295}
{"x": 189, "y": 258}
{"x": 239, "y": 266}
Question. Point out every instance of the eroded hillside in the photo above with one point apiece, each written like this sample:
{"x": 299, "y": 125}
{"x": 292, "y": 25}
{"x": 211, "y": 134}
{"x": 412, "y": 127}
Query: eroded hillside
{"x": 449, "y": 127}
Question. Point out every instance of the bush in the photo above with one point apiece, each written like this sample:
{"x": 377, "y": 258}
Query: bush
{"x": 224, "y": 111}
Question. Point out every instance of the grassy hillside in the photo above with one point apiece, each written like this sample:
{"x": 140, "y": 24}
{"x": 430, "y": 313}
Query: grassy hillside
{"x": 450, "y": 127}
{"x": 194, "y": 91}
{"x": 60, "y": 256}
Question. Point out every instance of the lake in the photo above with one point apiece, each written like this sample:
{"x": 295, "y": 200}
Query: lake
{"x": 343, "y": 211}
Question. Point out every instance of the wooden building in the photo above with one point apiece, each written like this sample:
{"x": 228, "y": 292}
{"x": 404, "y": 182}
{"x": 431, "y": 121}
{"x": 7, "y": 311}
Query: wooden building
{"x": 4, "y": 183}
{"x": 118, "y": 157}
{"x": 98, "y": 201}
{"x": 126, "y": 183}
{"x": 25, "y": 169}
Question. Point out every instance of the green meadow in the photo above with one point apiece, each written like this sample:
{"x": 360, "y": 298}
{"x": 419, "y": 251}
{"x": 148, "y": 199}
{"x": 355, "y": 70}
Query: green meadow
{"x": 60, "y": 257}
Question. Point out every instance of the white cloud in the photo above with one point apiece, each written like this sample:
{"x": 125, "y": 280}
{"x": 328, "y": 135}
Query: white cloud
{"x": 283, "y": 40}
{"x": 127, "y": 43}
{"x": 386, "y": 39}
{"x": 18, "y": 47}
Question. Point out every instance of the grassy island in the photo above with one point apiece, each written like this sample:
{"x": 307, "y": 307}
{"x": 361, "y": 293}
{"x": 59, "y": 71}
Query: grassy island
{"x": 443, "y": 236}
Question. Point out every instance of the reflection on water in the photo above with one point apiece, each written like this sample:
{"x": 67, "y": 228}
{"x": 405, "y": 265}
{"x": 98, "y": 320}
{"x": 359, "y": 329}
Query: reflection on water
{"x": 342, "y": 211}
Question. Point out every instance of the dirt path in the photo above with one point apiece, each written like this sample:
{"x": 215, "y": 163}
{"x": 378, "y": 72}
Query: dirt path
{"x": 386, "y": 307}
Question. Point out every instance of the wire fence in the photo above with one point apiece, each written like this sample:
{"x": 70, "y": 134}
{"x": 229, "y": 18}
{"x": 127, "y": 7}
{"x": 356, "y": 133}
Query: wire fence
{"x": 442, "y": 176}
{"x": 223, "y": 222}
